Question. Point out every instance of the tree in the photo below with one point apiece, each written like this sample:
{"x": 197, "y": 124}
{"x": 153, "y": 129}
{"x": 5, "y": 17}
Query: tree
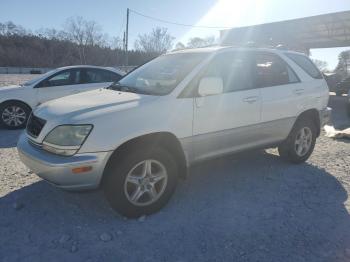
{"x": 156, "y": 42}
{"x": 53, "y": 34}
{"x": 196, "y": 42}
{"x": 84, "y": 33}
{"x": 344, "y": 55}
{"x": 321, "y": 65}
{"x": 342, "y": 67}
{"x": 179, "y": 46}
{"x": 116, "y": 43}
{"x": 47, "y": 47}
{"x": 9, "y": 28}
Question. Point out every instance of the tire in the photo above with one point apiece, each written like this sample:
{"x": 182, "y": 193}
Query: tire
{"x": 290, "y": 148}
{"x": 21, "y": 110}
{"x": 119, "y": 191}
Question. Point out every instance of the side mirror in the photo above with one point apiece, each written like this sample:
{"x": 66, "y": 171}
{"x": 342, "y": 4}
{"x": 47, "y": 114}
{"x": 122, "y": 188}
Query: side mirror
{"x": 210, "y": 86}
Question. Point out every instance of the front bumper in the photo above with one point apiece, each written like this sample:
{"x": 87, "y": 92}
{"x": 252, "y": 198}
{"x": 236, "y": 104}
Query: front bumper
{"x": 325, "y": 116}
{"x": 58, "y": 169}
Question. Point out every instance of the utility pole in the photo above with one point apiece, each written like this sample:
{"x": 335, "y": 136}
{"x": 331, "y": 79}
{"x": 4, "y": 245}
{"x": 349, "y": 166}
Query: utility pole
{"x": 126, "y": 37}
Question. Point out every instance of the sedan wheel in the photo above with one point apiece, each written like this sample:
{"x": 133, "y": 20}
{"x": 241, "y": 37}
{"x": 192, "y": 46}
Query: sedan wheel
{"x": 14, "y": 115}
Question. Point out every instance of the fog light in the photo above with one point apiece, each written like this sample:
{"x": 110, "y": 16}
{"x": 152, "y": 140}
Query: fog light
{"x": 81, "y": 169}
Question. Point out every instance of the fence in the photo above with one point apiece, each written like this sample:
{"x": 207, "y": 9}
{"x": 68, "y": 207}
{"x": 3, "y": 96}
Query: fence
{"x": 42, "y": 70}
{"x": 23, "y": 70}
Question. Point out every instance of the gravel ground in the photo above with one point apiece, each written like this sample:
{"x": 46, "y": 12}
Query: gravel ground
{"x": 246, "y": 207}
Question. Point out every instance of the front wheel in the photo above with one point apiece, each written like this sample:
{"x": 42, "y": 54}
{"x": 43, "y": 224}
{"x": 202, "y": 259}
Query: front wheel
{"x": 14, "y": 115}
{"x": 141, "y": 182}
{"x": 300, "y": 143}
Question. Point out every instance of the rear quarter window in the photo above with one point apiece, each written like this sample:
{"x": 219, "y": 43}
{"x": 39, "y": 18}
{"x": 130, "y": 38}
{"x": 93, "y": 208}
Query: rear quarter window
{"x": 306, "y": 64}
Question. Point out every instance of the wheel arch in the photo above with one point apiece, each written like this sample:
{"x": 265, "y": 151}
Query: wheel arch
{"x": 312, "y": 114}
{"x": 166, "y": 140}
{"x": 15, "y": 101}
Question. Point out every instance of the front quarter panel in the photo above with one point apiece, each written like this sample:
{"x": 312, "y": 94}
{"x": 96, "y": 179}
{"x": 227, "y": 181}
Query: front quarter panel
{"x": 24, "y": 94}
{"x": 165, "y": 114}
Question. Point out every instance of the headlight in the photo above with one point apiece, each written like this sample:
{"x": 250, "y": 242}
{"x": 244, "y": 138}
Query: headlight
{"x": 67, "y": 139}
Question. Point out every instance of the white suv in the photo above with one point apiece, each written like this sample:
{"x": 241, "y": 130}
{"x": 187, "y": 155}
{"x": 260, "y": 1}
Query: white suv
{"x": 137, "y": 137}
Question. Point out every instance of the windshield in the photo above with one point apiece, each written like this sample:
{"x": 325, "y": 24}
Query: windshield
{"x": 36, "y": 79}
{"x": 161, "y": 75}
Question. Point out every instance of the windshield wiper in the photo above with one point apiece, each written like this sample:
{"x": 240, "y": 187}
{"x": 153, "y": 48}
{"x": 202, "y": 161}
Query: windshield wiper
{"x": 122, "y": 88}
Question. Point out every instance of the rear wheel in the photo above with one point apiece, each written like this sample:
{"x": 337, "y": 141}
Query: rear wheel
{"x": 300, "y": 143}
{"x": 141, "y": 182}
{"x": 14, "y": 115}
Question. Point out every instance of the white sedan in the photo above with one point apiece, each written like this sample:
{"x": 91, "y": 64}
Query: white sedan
{"x": 16, "y": 102}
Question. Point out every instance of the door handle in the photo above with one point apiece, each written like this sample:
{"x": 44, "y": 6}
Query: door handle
{"x": 250, "y": 99}
{"x": 299, "y": 91}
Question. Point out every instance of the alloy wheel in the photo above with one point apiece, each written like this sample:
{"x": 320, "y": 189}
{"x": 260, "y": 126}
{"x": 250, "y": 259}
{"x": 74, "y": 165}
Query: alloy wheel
{"x": 303, "y": 141}
{"x": 145, "y": 182}
{"x": 14, "y": 116}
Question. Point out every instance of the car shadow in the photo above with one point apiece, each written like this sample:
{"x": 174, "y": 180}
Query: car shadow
{"x": 9, "y": 138}
{"x": 250, "y": 207}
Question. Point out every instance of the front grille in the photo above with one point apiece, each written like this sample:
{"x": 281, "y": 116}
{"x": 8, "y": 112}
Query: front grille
{"x": 35, "y": 125}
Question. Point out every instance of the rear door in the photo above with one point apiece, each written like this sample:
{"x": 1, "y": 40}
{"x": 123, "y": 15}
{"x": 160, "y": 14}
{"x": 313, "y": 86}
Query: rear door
{"x": 227, "y": 122}
{"x": 281, "y": 94}
{"x": 94, "y": 78}
{"x": 62, "y": 83}
{"x": 315, "y": 90}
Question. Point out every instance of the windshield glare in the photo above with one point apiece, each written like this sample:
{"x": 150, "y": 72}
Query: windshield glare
{"x": 161, "y": 75}
{"x": 36, "y": 79}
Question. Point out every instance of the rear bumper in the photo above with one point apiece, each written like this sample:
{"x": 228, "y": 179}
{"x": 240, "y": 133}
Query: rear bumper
{"x": 325, "y": 116}
{"x": 58, "y": 169}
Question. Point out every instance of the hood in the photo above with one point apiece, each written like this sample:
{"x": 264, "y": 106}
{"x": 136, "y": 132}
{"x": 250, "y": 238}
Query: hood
{"x": 87, "y": 105}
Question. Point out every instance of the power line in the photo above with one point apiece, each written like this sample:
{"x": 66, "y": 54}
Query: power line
{"x": 179, "y": 24}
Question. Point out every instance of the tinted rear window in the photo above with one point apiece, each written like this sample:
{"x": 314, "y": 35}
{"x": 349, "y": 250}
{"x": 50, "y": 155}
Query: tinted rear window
{"x": 306, "y": 64}
{"x": 271, "y": 70}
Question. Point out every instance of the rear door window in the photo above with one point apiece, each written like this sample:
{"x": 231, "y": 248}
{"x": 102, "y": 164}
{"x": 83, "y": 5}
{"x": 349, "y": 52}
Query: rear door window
{"x": 306, "y": 64}
{"x": 99, "y": 76}
{"x": 271, "y": 70}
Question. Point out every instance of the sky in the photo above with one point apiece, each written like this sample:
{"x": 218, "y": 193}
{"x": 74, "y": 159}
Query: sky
{"x": 111, "y": 15}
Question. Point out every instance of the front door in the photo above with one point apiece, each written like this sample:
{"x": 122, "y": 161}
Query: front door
{"x": 227, "y": 122}
{"x": 61, "y": 84}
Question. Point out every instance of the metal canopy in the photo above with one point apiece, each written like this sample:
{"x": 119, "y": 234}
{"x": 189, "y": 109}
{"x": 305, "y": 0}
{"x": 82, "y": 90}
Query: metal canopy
{"x": 321, "y": 31}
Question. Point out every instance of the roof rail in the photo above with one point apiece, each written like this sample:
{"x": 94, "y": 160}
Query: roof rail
{"x": 281, "y": 47}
